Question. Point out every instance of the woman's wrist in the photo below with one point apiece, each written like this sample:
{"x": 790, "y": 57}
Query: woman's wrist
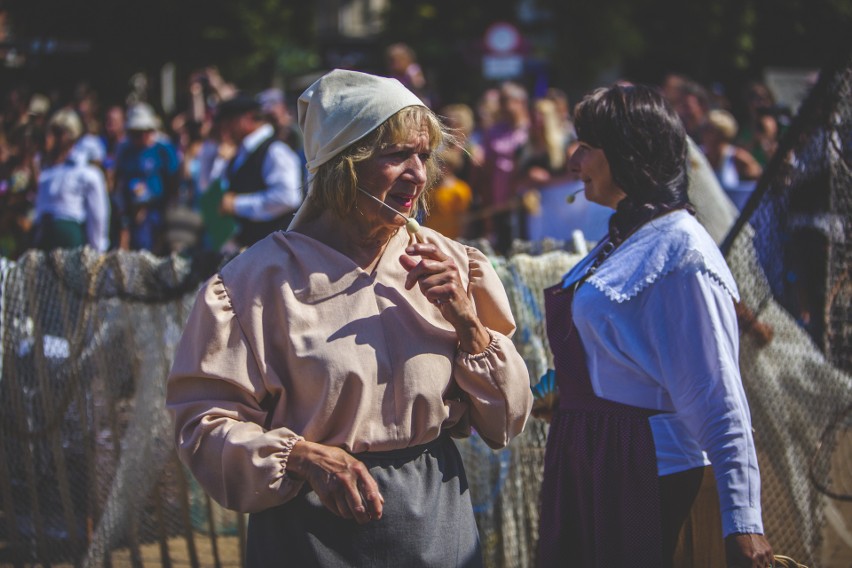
{"x": 474, "y": 339}
{"x": 299, "y": 459}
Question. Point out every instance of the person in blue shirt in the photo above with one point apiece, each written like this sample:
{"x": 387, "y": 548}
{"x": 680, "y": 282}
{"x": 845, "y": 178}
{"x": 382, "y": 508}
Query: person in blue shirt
{"x": 146, "y": 177}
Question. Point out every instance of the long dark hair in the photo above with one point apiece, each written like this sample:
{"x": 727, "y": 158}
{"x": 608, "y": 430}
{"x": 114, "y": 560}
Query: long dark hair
{"x": 645, "y": 144}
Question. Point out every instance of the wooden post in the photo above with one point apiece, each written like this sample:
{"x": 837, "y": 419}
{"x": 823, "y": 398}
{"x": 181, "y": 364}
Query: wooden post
{"x": 185, "y": 515}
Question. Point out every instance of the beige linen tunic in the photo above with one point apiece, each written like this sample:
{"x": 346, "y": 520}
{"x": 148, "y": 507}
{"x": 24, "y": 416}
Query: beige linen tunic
{"x": 293, "y": 339}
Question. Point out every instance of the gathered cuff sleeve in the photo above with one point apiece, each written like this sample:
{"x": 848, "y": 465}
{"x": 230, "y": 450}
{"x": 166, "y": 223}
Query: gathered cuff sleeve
{"x": 496, "y": 382}
{"x": 215, "y": 392}
{"x": 492, "y": 345}
{"x": 285, "y": 454}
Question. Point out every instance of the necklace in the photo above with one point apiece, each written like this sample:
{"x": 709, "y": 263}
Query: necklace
{"x": 604, "y": 253}
{"x": 606, "y": 250}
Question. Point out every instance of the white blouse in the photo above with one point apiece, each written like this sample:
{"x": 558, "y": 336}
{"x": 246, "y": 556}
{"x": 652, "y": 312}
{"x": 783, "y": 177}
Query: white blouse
{"x": 659, "y": 331}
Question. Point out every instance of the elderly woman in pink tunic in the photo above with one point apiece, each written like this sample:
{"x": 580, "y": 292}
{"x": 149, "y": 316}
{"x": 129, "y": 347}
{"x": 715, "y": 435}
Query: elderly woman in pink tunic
{"x": 323, "y": 371}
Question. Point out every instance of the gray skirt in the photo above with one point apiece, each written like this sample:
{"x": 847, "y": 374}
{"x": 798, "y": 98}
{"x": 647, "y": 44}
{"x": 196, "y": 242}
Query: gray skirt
{"x": 427, "y": 519}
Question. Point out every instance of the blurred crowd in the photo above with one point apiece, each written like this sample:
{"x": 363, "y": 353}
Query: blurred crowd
{"x": 228, "y": 169}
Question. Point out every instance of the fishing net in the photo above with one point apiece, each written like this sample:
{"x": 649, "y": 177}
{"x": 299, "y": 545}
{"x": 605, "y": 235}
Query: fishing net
{"x": 87, "y": 340}
{"x": 88, "y": 474}
{"x": 791, "y": 254}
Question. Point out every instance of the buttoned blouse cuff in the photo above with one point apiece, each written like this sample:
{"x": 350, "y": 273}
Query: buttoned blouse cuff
{"x": 284, "y": 453}
{"x": 743, "y": 520}
{"x": 491, "y": 348}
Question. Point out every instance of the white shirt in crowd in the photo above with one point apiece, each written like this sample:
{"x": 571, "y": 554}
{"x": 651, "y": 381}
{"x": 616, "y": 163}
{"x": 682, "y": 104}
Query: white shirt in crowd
{"x": 282, "y": 172}
{"x": 89, "y": 148}
{"x": 75, "y": 191}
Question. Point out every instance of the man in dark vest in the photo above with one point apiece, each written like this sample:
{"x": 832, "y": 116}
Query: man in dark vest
{"x": 263, "y": 179}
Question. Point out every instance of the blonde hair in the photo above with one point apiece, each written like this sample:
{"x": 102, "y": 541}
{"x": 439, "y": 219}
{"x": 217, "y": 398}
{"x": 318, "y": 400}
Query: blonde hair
{"x": 68, "y": 121}
{"x": 553, "y": 135}
{"x": 459, "y": 117}
{"x": 335, "y": 184}
{"x": 724, "y": 122}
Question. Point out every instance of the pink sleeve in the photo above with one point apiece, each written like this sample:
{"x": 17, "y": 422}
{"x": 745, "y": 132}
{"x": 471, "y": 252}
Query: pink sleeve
{"x": 496, "y": 381}
{"x": 216, "y": 395}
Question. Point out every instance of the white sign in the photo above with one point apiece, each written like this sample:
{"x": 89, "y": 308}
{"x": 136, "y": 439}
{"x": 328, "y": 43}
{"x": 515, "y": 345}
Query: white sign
{"x": 502, "y": 66}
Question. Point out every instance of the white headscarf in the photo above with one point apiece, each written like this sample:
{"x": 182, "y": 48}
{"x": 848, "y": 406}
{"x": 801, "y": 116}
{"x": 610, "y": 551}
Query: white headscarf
{"x": 342, "y": 107}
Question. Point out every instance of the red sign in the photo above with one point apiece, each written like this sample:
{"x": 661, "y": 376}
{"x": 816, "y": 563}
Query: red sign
{"x": 502, "y": 38}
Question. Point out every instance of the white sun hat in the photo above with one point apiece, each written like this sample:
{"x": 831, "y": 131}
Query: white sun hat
{"x": 142, "y": 117}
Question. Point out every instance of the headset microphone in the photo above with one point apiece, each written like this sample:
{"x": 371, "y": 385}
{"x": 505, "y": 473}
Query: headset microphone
{"x": 411, "y": 224}
{"x": 573, "y": 197}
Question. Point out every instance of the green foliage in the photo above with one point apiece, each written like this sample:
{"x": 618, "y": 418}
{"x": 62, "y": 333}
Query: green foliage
{"x": 266, "y": 38}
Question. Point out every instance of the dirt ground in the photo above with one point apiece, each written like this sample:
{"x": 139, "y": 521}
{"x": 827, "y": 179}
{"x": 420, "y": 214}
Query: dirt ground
{"x": 228, "y": 548}
{"x": 837, "y": 544}
{"x": 836, "y": 551}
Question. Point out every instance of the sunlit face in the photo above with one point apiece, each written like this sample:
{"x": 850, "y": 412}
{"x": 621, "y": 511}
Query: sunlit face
{"x": 397, "y": 176}
{"x": 512, "y": 108}
{"x": 238, "y": 127}
{"x": 114, "y": 122}
{"x": 592, "y": 168}
{"x": 281, "y": 115}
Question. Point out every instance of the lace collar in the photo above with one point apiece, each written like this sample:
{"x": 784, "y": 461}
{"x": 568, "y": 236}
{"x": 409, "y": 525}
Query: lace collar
{"x": 672, "y": 242}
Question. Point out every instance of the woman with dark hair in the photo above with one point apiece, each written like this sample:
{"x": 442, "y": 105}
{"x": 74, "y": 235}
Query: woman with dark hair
{"x": 644, "y": 338}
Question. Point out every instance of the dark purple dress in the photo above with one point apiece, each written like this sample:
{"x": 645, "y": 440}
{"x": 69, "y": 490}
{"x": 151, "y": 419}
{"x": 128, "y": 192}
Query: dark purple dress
{"x": 600, "y": 504}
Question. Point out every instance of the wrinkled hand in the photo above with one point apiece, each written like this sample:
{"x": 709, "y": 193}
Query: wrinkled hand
{"x": 342, "y": 483}
{"x": 438, "y": 278}
{"x": 748, "y": 551}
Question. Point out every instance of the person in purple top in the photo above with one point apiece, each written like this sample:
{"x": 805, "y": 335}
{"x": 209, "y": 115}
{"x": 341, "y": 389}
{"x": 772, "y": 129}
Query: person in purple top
{"x": 495, "y": 180}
